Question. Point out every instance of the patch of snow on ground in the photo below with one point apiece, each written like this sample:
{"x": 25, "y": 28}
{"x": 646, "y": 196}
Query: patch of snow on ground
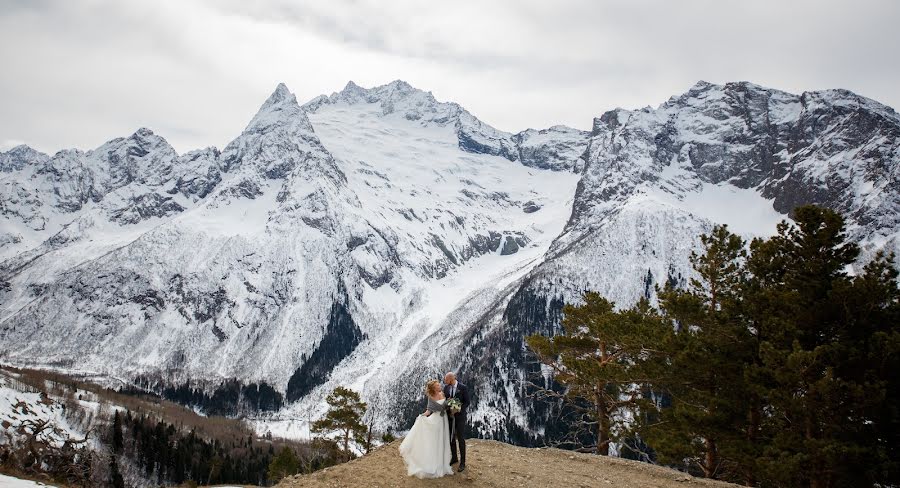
{"x": 11, "y": 482}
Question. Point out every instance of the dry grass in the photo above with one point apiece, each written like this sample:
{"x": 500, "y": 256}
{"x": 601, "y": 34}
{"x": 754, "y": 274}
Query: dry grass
{"x": 495, "y": 464}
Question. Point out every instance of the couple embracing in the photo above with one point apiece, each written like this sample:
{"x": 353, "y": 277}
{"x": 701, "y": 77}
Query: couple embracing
{"x": 429, "y": 450}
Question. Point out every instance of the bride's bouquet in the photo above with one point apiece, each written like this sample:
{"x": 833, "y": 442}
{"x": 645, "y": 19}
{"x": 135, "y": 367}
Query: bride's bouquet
{"x": 454, "y": 406}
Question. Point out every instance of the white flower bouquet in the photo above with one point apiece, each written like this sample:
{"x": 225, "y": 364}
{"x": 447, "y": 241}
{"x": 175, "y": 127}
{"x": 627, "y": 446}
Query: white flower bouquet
{"x": 454, "y": 406}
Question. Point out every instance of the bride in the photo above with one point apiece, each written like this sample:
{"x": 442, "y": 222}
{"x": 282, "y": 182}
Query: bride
{"x": 426, "y": 449}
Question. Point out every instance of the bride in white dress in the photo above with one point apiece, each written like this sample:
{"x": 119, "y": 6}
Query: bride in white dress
{"x": 426, "y": 449}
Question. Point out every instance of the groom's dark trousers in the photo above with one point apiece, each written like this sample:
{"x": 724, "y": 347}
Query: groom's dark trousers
{"x": 458, "y": 422}
{"x": 458, "y": 432}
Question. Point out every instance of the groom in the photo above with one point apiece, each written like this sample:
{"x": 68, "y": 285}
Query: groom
{"x": 455, "y": 389}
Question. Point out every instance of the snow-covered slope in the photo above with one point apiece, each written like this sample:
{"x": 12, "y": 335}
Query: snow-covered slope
{"x": 374, "y": 238}
{"x": 278, "y": 257}
{"x": 655, "y": 179}
{"x": 738, "y": 154}
{"x": 22, "y": 412}
{"x": 44, "y": 427}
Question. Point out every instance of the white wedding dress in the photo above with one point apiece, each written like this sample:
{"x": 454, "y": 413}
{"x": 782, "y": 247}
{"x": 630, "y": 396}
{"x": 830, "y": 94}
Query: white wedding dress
{"x": 426, "y": 449}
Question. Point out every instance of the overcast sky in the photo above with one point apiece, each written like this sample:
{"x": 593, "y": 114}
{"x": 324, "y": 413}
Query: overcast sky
{"x": 76, "y": 73}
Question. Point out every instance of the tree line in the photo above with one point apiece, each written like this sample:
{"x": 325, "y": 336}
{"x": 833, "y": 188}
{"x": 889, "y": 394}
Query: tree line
{"x": 168, "y": 455}
{"x": 142, "y": 439}
{"x": 775, "y": 367}
{"x": 138, "y": 440}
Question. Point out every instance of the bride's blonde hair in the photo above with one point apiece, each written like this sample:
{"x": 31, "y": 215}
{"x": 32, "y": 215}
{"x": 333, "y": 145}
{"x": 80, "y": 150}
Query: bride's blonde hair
{"x": 430, "y": 387}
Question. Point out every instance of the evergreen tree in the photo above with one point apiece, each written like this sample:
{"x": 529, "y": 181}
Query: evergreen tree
{"x": 775, "y": 367}
{"x": 284, "y": 464}
{"x": 117, "y": 437}
{"x": 115, "y": 477}
{"x": 596, "y": 359}
{"x": 873, "y": 361}
{"x": 388, "y": 437}
{"x": 215, "y": 470}
{"x": 705, "y": 362}
{"x": 824, "y": 341}
{"x": 344, "y": 416}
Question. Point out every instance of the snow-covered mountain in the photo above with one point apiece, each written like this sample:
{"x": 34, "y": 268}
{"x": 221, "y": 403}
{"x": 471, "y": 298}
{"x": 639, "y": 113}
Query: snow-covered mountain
{"x": 376, "y": 237}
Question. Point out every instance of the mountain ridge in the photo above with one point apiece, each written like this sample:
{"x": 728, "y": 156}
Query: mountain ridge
{"x": 374, "y": 238}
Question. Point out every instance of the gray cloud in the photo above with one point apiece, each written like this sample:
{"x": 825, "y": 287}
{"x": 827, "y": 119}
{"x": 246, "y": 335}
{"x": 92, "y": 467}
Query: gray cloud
{"x": 77, "y": 73}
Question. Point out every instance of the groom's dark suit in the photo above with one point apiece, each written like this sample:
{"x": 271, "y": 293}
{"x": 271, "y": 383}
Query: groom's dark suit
{"x": 458, "y": 421}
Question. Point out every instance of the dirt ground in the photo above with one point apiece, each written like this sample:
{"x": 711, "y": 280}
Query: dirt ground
{"x": 495, "y": 464}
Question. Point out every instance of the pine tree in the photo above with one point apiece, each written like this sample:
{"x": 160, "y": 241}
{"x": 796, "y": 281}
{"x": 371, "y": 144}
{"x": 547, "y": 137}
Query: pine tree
{"x": 873, "y": 362}
{"x": 388, "y": 437}
{"x": 215, "y": 470}
{"x": 115, "y": 477}
{"x": 775, "y": 367}
{"x": 596, "y": 358}
{"x": 344, "y": 416}
{"x": 705, "y": 361}
{"x": 284, "y": 464}
{"x": 823, "y": 342}
{"x": 117, "y": 437}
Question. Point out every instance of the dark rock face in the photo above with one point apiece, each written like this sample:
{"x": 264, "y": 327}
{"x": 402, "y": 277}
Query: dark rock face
{"x": 818, "y": 147}
{"x": 496, "y": 147}
{"x": 196, "y": 304}
{"x": 558, "y": 148}
{"x": 73, "y": 179}
{"x": 530, "y": 207}
{"x": 246, "y": 188}
{"x": 144, "y": 207}
{"x": 510, "y": 246}
{"x": 478, "y": 245}
{"x": 341, "y": 337}
{"x": 143, "y": 157}
{"x": 482, "y": 244}
{"x": 203, "y": 173}
{"x": 19, "y": 157}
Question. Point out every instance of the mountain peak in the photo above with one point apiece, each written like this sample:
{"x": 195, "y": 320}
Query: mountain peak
{"x": 19, "y": 156}
{"x": 704, "y": 94}
{"x": 352, "y": 87}
{"x": 731, "y": 87}
{"x": 396, "y": 97}
{"x": 401, "y": 85}
{"x": 841, "y": 97}
{"x": 353, "y": 93}
{"x": 142, "y": 133}
{"x": 280, "y": 95}
{"x": 20, "y": 149}
{"x": 702, "y": 85}
{"x": 279, "y": 107}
